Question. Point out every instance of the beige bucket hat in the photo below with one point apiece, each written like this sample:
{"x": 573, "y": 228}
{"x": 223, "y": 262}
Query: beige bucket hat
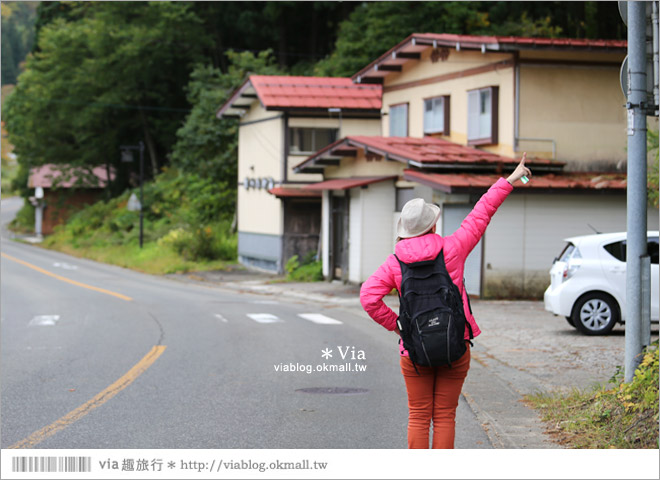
{"x": 417, "y": 218}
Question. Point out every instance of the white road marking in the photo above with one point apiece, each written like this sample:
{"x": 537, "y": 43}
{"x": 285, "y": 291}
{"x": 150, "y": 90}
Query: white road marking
{"x": 65, "y": 266}
{"x": 44, "y": 321}
{"x": 319, "y": 318}
{"x": 264, "y": 317}
{"x": 220, "y": 317}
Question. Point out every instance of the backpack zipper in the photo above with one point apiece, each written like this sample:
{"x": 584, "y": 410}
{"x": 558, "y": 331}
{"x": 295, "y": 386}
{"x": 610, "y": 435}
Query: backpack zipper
{"x": 421, "y": 339}
{"x": 451, "y": 317}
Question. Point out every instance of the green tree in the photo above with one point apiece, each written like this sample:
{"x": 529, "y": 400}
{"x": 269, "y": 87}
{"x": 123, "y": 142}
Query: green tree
{"x": 17, "y": 37}
{"x": 374, "y": 27}
{"x": 113, "y": 75}
{"x": 205, "y": 144}
{"x": 298, "y": 33}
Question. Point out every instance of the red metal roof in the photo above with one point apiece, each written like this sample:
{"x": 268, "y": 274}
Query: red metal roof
{"x": 416, "y": 43}
{"x": 347, "y": 183}
{"x": 295, "y": 92}
{"x": 451, "y": 183}
{"x": 286, "y": 192}
{"x": 491, "y": 41}
{"x": 427, "y": 150}
{"x": 420, "y": 152}
{"x": 46, "y": 176}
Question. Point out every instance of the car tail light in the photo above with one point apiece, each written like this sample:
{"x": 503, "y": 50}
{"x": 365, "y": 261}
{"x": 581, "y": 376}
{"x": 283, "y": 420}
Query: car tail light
{"x": 569, "y": 270}
{"x": 572, "y": 265}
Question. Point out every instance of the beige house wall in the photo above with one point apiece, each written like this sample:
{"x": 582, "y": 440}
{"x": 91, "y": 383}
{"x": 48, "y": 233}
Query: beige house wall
{"x": 457, "y": 89}
{"x": 360, "y": 167}
{"x": 346, "y": 127}
{"x": 589, "y": 56}
{"x": 579, "y": 107}
{"x": 259, "y": 156}
{"x": 424, "y": 68}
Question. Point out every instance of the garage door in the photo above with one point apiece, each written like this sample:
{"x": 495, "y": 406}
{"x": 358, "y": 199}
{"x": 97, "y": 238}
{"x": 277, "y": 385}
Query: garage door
{"x": 452, "y": 217}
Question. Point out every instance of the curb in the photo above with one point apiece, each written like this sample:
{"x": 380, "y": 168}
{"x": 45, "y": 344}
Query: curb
{"x": 498, "y": 406}
{"x": 281, "y": 290}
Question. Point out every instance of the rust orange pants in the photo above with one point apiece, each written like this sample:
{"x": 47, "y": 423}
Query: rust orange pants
{"x": 433, "y": 397}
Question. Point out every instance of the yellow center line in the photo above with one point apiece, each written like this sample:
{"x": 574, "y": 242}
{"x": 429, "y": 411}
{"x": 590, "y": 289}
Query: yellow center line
{"x": 64, "y": 279}
{"x": 97, "y": 401}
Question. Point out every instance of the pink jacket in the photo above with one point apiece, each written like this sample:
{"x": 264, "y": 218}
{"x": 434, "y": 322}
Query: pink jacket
{"x": 456, "y": 248}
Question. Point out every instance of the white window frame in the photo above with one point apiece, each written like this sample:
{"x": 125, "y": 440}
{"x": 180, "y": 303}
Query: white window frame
{"x": 482, "y": 116}
{"x": 436, "y": 119}
{"x": 398, "y": 113}
{"x": 293, "y": 150}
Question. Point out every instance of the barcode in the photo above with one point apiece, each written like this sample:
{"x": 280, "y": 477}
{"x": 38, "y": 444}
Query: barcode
{"x": 51, "y": 464}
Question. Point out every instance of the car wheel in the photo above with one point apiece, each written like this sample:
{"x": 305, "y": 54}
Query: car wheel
{"x": 570, "y": 321}
{"x": 596, "y": 314}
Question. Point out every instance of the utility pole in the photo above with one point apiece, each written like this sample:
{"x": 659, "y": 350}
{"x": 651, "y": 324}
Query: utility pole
{"x": 636, "y": 249}
{"x": 127, "y": 156}
{"x": 141, "y": 147}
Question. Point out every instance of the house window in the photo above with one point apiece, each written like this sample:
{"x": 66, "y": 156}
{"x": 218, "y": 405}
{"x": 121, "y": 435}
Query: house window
{"x": 436, "y": 115}
{"x": 403, "y": 195}
{"x": 482, "y": 116}
{"x": 399, "y": 120}
{"x": 310, "y": 140}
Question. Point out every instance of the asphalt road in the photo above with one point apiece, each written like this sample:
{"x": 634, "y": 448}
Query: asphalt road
{"x": 185, "y": 366}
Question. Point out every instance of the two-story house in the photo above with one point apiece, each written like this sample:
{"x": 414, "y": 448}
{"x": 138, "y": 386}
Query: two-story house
{"x": 458, "y": 111}
{"x": 282, "y": 120}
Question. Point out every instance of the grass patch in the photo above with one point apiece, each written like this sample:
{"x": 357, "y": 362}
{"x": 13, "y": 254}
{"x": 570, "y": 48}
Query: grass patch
{"x": 23, "y": 223}
{"x": 614, "y": 415}
{"x": 149, "y": 259}
{"x": 309, "y": 270}
{"x": 9, "y": 172}
{"x": 186, "y": 228}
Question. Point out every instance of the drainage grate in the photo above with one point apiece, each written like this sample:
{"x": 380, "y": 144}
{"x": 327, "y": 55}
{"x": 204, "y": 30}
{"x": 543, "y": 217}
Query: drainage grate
{"x": 334, "y": 390}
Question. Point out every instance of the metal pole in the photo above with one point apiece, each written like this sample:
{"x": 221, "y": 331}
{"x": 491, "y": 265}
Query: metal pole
{"x": 38, "y": 218}
{"x": 141, "y": 190}
{"x": 636, "y": 191}
{"x": 646, "y": 300}
{"x": 656, "y": 53}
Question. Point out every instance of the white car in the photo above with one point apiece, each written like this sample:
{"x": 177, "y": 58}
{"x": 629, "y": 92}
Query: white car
{"x": 588, "y": 281}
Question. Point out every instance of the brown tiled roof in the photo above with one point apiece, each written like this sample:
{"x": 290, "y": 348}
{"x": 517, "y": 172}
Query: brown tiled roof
{"x": 411, "y": 48}
{"x": 347, "y": 183}
{"x": 451, "y": 183}
{"x": 286, "y": 192}
{"x": 276, "y": 92}
{"x": 65, "y": 176}
{"x": 419, "y": 152}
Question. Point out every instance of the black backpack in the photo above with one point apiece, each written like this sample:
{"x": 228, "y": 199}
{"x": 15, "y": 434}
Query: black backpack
{"x": 431, "y": 316}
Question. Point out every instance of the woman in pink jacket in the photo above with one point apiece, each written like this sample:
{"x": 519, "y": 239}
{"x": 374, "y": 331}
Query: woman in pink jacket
{"x": 433, "y": 392}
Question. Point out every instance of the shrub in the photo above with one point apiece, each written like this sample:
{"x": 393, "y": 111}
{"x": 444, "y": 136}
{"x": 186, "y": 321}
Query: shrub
{"x": 309, "y": 271}
{"x": 209, "y": 242}
{"x": 622, "y": 416}
{"x": 24, "y": 221}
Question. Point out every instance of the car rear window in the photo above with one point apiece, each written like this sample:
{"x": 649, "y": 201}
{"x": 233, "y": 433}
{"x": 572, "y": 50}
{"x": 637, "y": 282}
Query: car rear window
{"x": 653, "y": 249}
{"x": 566, "y": 252}
{"x": 617, "y": 250}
